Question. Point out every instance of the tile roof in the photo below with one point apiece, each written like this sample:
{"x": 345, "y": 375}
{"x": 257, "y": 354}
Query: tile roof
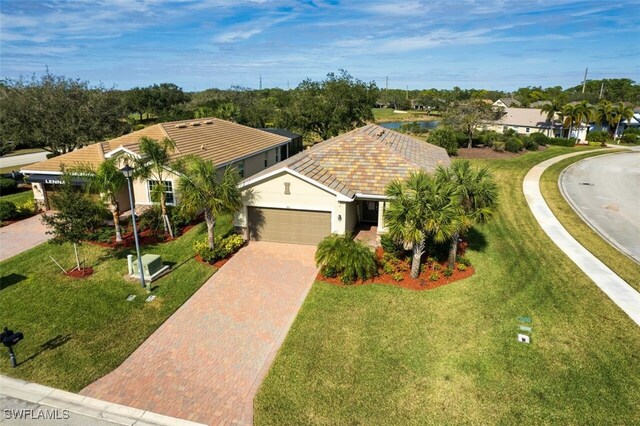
{"x": 530, "y": 117}
{"x": 363, "y": 161}
{"x": 210, "y": 138}
{"x": 509, "y": 102}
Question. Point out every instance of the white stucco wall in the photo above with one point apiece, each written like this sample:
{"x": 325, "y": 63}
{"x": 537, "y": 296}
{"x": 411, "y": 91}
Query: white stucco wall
{"x": 302, "y": 196}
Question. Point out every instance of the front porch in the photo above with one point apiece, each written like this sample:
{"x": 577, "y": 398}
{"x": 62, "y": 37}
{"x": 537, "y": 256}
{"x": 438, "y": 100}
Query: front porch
{"x": 370, "y": 221}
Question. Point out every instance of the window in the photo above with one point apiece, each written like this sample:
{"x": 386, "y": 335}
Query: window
{"x": 526, "y": 130}
{"x": 266, "y": 157}
{"x": 168, "y": 190}
{"x": 240, "y": 168}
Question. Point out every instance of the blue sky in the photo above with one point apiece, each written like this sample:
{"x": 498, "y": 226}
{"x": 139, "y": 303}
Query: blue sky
{"x": 197, "y": 44}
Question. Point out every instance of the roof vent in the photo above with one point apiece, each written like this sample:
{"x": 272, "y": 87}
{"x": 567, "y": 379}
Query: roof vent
{"x": 194, "y": 123}
{"x": 208, "y": 122}
{"x": 181, "y": 125}
{"x": 202, "y": 147}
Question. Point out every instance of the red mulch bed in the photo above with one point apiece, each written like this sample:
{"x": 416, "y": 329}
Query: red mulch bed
{"x": 146, "y": 237}
{"x": 80, "y": 273}
{"x": 420, "y": 283}
{"x": 217, "y": 264}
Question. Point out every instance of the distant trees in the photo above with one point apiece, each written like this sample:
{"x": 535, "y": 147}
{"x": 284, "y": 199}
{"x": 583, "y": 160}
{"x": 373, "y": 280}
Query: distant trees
{"x": 58, "y": 114}
{"x": 468, "y": 116}
{"x": 329, "y": 107}
{"x": 158, "y": 99}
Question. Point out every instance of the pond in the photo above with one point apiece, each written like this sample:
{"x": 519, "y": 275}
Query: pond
{"x": 395, "y": 125}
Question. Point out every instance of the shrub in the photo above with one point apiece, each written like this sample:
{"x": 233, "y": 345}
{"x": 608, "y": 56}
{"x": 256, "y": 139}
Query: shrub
{"x": 462, "y": 267}
{"x": 437, "y": 266}
{"x": 488, "y": 137}
{"x": 509, "y": 132}
{"x": 180, "y": 217}
{"x": 151, "y": 219}
{"x": 539, "y": 138}
{"x": 222, "y": 247}
{"x": 529, "y": 144}
{"x": 512, "y": 144}
{"x": 390, "y": 247}
{"x": 351, "y": 259}
{"x": 561, "y": 142}
{"x": 447, "y": 272}
{"x": 630, "y": 138}
{"x": 27, "y": 208}
{"x": 435, "y": 276}
{"x": 102, "y": 234}
{"x": 464, "y": 261}
{"x": 398, "y": 276}
{"x": 598, "y": 136}
{"x": 8, "y": 186}
{"x": 7, "y": 147}
{"x": 388, "y": 268}
{"x": 329, "y": 271}
{"x": 445, "y": 138}
{"x": 8, "y": 210}
{"x": 498, "y": 146}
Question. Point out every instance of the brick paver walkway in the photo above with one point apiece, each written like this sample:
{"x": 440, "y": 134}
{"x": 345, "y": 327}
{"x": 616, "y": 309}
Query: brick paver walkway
{"x": 205, "y": 362}
{"x": 22, "y": 236}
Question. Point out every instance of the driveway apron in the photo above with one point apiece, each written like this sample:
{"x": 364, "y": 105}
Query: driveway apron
{"x": 21, "y": 236}
{"x": 206, "y": 362}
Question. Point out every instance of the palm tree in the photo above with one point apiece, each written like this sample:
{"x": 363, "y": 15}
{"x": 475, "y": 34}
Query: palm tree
{"x": 603, "y": 114}
{"x": 623, "y": 112}
{"x": 155, "y": 157}
{"x": 479, "y": 197}
{"x": 551, "y": 109}
{"x": 570, "y": 112}
{"x": 201, "y": 187}
{"x": 422, "y": 206}
{"x": 107, "y": 180}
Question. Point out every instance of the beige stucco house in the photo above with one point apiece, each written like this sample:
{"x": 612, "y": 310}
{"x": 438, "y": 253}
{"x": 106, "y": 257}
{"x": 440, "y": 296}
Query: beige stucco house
{"x": 530, "y": 120}
{"x": 333, "y": 187}
{"x": 223, "y": 142}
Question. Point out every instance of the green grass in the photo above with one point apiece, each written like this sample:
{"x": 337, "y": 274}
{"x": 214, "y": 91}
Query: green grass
{"x": 18, "y": 197}
{"x": 77, "y": 330}
{"x": 626, "y": 268}
{"x": 386, "y": 114}
{"x": 383, "y": 355}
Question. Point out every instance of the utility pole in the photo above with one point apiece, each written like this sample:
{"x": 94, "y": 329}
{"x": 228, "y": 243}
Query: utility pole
{"x": 584, "y": 82}
{"x": 601, "y": 90}
{"x": 260, "y": 81}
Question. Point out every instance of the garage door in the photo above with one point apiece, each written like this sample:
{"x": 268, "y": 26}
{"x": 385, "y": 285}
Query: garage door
{"x": 288, "y": 226}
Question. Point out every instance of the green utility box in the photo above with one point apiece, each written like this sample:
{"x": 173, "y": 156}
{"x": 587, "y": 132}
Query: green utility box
{"x": 152, "y": 267}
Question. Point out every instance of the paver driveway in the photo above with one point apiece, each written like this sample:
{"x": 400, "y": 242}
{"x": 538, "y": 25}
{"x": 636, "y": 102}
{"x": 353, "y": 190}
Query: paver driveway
{"x": 206, "y": 361}
{"x": 22, "y": 236}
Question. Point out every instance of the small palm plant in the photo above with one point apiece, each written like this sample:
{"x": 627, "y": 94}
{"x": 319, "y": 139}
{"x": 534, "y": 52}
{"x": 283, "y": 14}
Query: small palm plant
{"x": 106, "y": 180}
{"x": 342, "y": 255}
{"x": 153, "y": 164}
{"x": 202, "y": 188}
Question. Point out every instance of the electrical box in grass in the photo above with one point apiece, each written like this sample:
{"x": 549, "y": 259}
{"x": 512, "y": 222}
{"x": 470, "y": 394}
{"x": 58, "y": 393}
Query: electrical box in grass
{"x": 152, "y": 267}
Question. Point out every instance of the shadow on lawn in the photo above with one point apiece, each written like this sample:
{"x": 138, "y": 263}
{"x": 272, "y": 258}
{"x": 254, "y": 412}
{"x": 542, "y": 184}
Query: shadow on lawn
{"x": 49, "y": 345}
{"x": 476, "y": 240}
{"x": 11, "y": 279}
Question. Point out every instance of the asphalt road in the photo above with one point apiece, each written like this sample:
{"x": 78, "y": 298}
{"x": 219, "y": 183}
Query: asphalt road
{"x": 20, "y": 160}
{"x": 605, "y": 191}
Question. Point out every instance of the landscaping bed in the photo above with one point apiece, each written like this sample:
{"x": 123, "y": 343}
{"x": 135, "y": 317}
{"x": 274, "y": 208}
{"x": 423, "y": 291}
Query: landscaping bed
{"x": 432, "y": 274}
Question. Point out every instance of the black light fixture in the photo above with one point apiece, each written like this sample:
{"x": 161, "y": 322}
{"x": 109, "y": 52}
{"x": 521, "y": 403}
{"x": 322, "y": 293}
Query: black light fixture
{"x": 127, "y": 171}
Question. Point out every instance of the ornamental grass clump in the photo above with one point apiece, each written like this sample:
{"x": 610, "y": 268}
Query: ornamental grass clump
{"x": 340, "y": 255}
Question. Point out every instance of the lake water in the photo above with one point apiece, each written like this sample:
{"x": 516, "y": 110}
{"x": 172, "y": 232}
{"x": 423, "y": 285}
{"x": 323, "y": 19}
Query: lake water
{"x": 394, "y": 125}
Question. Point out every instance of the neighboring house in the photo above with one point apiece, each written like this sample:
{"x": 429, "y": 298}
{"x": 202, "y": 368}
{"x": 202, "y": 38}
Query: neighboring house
{"x": 529, "y": 120}
{"x": 506, "y": 103}
{"x": 333, "y": 186}
{"x": 223, "y": 142}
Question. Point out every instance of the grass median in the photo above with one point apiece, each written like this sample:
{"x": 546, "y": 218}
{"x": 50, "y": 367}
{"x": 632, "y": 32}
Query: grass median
{"x": 383, "y": 355}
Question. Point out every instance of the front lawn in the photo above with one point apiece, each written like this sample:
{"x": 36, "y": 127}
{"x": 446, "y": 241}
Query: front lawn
{"x": 383, "y": 355}
{"x": 77, "y": 330}
{"x": 19, "y": 197}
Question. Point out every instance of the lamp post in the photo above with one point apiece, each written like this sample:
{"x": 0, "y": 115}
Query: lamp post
{"x": 127, "y": 171}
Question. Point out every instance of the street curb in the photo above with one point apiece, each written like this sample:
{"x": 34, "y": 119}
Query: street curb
{"x": 86, "y": 406}
{"x": 584, "y": 217}
{"x": 618, "y": 290}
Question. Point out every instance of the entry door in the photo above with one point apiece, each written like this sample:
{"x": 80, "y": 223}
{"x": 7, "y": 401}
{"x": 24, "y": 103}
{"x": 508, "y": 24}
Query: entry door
{"x": 370, "y": 211}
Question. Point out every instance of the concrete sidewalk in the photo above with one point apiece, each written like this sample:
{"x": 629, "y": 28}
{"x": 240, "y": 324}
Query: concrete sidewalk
{"x": 31, "y": 396}
{"x": 621, "y": 293}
